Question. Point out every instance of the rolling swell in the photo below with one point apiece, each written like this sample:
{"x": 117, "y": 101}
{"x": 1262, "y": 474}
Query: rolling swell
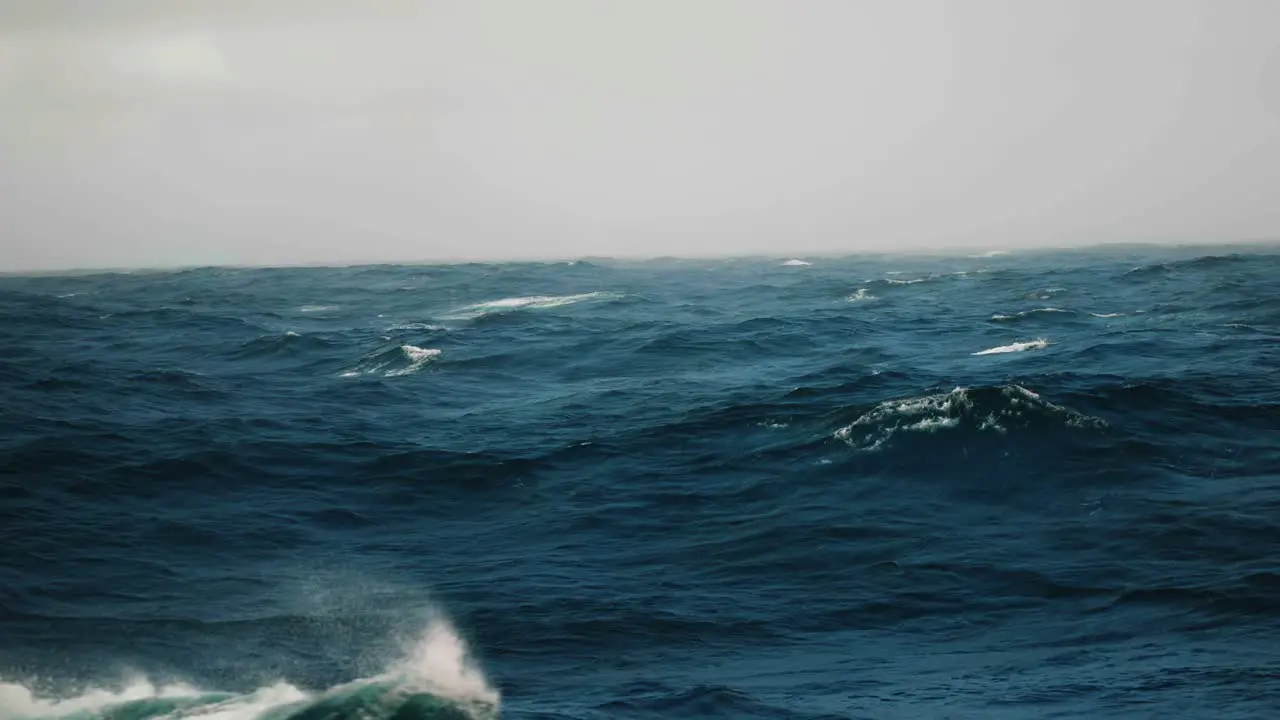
{"x": 1013, "y": 485}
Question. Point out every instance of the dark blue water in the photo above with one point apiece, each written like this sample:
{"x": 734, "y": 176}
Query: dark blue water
{"x": 1021, "y": 486}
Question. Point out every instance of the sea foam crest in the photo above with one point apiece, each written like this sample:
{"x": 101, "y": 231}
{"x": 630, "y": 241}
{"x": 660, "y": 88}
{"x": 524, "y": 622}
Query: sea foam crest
{"x": 404, "y": 360}
{"x": 979, "y": 409}
{"x": 1004, "y": 317}
{"x": 530, "y": 302}
{"x": 436, "y": 680}
{"x": 1037, "y": 344}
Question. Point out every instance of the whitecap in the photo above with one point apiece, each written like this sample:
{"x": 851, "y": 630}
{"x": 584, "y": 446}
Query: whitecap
{"x": 1106, "y": 315}
{"x": 1001, "y": 317}
{"x": 796, "y": 263}
{"x": 418, "y": 357}
{"x": 929, "y": 413}
{"x": 1037, "y": 344}
{"x": 439, "y": 665}
{"x": 427, "y": 327}
{"x": 983, "y": 409}
{"x": 861, "y": 294}
{"x": 392, "y": 363}
{"x": 530, "y": 302}
{"x": 317, "y": 308}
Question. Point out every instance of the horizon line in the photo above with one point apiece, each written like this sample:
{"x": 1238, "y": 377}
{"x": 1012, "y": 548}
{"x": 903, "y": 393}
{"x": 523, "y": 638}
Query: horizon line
{"x": 934, "y": 251}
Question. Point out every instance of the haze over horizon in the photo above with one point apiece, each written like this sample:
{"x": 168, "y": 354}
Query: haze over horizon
{"x": 147, "y": 134}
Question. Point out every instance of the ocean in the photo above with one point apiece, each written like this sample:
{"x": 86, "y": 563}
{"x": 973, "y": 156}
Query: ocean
{"x": 1025, "y": 485}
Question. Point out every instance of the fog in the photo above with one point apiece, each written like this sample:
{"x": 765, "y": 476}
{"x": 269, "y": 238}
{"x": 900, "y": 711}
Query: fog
{"x": 156, "y": 133}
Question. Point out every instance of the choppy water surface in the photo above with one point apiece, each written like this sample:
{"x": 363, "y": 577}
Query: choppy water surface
{"x": 1010, "y": 486}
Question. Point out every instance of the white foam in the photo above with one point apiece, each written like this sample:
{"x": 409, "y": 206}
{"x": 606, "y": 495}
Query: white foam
{"x": 932, "y": 424}
{"x": 943, "y": 411}
{"x": 1106, "y": 315}
{"x": 418, "y": 357}
{"x": 1025, "y": 313}
{"x": 929, "y": 414}
{"x": 16, "y": 701}
{"x": 796, "y": 263}
{"x": 1037, "y": 344}
{"x": 531, "y": 302}
{"x": 417, "y": 326}
{"x": 861, "y": 294}
{"x": 913, "y": 281}
{"x": 317, "y": 308}
{"x": 438, "y": 663}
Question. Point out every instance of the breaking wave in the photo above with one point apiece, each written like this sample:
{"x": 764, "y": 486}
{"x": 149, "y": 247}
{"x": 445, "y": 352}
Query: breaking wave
{"x": 530, "y": 302}
{"x": 1037, "y": 344}
{"x": 436, "y": 681}
{"x": 402, "y": 360}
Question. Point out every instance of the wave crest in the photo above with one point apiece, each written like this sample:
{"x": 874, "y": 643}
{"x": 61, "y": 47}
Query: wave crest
{"x": 1037, "y": 344}
{"x": 531, "y": 302}
{"x": 403, "y": 360}
{"x": 437, "y": 681}
{"x": 997, "y": 409}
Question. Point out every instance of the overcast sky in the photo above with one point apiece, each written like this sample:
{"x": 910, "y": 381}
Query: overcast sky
{"x": 153, "y": 132}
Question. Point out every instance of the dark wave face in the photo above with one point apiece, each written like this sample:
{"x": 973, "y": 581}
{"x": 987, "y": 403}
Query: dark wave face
{"x": 1014, "y": 486}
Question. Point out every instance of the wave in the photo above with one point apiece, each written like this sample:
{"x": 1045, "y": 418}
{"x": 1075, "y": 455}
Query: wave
{"x": 436, "y": 681}
{"x": 1003, "y": 317}
{"x": 796, "y": 263}
{"x": 425, "y": 327}
{"x": 1196, "y": 263}
{"x": 1044, "y": 293}
{"x": 1037, "y": 344}
{"x": 395, "y": 362}
{"x": 994, "y": 409}
{"x": 287, "y": 344}
{"x": 861, "y": 294}
{"x": 317, "y": 308}
{"x": 530, "y": 302}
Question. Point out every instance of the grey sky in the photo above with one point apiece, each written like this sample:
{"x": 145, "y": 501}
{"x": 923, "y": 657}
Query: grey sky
{"x": 151, "y": 132}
